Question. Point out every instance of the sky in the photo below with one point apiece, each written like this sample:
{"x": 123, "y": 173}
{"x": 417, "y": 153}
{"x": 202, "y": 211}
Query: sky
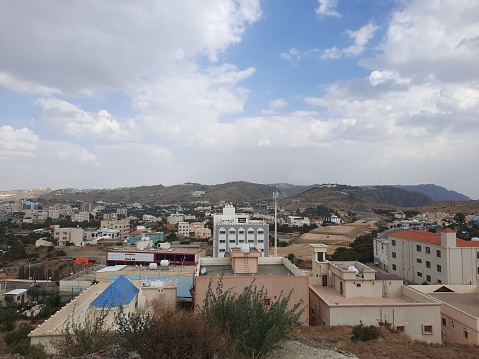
{"x": 117, "y": 93}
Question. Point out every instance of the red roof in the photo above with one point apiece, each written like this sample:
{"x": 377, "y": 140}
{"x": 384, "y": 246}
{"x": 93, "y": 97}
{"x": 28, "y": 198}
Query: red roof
{"x": 432, "y": 238}
{"x": 136, "y": 232}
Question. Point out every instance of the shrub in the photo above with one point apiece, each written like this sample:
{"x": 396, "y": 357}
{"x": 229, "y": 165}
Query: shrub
{"x": 362, "y": 333}
{"x": 85, "y": 337}
{"x": 166, "y": 332}
{"x": 19, "y": 343}
{"x": 255, "y": 326}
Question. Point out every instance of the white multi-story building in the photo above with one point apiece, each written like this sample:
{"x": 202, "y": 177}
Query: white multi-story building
{"x": 380, "y": 248}
{"x": 233, "y": 229}
{"x": 295, "y": 221}
{"x": 423, "y": 257}
{"x": 81, "y": 217}
{"x": 174, "y": 218}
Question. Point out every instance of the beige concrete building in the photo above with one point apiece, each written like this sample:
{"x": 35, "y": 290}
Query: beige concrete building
{"x": 65, "y": 236}
{"x": 459, "y": 311}
{"x": 123, "y": 225}
{"x": 276, "y": 274}
{"x": 202, "y": 233}
{"x": 183, "y": 228}
{"x": 423, "y": 257}
{"x": 350, "y": 293}
{"x": 132, "y": 296}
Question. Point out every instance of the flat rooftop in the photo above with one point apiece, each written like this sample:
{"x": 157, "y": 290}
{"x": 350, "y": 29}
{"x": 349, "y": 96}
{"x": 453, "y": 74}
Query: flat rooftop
{"x": 187, "y": 250}
{"x": 264, "y": 270}
{"x": 467, "y": 302}
{"x": 332, "y": 297}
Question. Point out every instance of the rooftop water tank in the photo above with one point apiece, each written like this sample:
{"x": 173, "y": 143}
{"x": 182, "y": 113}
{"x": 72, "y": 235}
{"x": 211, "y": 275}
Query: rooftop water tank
{"x": 164, "y": 263}
{"x": 353, "y": 269}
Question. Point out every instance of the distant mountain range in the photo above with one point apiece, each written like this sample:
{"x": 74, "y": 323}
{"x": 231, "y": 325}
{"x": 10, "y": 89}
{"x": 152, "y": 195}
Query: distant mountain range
{"x": 294, "y": 196}
{"x": 437, "y": 193}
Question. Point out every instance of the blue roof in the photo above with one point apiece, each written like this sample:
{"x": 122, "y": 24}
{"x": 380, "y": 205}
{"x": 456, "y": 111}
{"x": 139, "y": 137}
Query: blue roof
{"x": 120, "y": 292}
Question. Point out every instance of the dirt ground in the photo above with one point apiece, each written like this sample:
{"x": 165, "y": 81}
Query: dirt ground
{"x": 332, "y": 236}
{"x": 392, "y": 345}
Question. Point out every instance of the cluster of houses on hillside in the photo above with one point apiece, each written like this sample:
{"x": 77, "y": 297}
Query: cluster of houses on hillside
{"x": 446, "y": 309}
{"x": 423, "y": 284}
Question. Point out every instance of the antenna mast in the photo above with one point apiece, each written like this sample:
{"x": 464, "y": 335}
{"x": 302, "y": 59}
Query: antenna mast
{"x": 275, "y": 197}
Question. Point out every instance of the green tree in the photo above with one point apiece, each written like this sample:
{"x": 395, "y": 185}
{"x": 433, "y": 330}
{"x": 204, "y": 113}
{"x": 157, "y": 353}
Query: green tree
{"x": 460, "y": 217}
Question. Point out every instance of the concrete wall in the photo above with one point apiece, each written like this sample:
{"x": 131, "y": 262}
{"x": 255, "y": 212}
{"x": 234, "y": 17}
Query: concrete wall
{"x": 412, "y": 316}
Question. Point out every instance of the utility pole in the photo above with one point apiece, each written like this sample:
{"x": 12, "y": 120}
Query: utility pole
{"x": 275, "y": 197}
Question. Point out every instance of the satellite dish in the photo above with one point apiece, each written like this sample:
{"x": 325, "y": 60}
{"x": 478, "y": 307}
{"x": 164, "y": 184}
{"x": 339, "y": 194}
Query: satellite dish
{"x": 203, "y": 270}
{"x": 245, "y": 248}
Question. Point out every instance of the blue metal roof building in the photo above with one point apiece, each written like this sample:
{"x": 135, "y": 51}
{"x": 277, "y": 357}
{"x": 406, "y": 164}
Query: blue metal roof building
{"x": 120, "y": 292}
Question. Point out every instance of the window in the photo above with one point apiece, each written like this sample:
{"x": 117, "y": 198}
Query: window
{"x": 222, "y": 241}
{"x": 222, "y": 250}
{"x": 418, "y": 248}
{"x": 250, "y": 232}
{"x": 222, "y": 232}
{"x": 428, "y": 264}
{"x": 400, "y": 328}
{"x": 444, "y": 322}
{"x": 439, "y": 268}
{"x": 260, "y": 231}
{"x": 241, "y": 231}
{"x": 394, "y": 267}
{"x": 232, "y": 231}
{"x": 438, "y": 253}
{"x": 358, "y": 285}
{"x": 428, "y": 250}
{"x": 393, "y": 242}
{"x": 419, "y": 260}
{"x": 478, "y": 270}
{"x": 419, "y": 274}
{"x": 466, "y": 334}
{"x": 267, "y": 302}
{"x": 426, "y": 329}
{"x": 428, "y": 278}
{"x": 231, "y": 240}
{"x": 477, "y": 255}
{"x": 393, "y": 254}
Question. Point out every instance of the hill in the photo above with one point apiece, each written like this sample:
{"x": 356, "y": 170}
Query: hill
{"x": 359, "y": 198}
{"x": 236, "y": 192}
{"x": 356, "y": 198}
{"x": 437, "y": 193}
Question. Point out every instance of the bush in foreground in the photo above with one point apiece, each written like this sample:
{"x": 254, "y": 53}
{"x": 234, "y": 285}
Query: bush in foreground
{"x": 255, "y": 325}
{"x": 362, "y": 333}
{"x": 170, "y": 333}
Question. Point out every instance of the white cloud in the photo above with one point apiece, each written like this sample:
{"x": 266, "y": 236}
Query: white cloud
{"x": 380, "y": 77}
{"x": 185, "y": 103}
{"x": 17, "y": 143}
{"x": 73, "y": 121}
{"x": 278, "y": 103}
{"x": 85, "y": 48}
{"x": 292, "y": 54}
{"x": 359, "y": 38}
{"x": 328, "y": 8}
{"x": 431, "y": 39}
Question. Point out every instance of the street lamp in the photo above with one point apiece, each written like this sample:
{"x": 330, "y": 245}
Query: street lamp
{"x": 29, "y": 264}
